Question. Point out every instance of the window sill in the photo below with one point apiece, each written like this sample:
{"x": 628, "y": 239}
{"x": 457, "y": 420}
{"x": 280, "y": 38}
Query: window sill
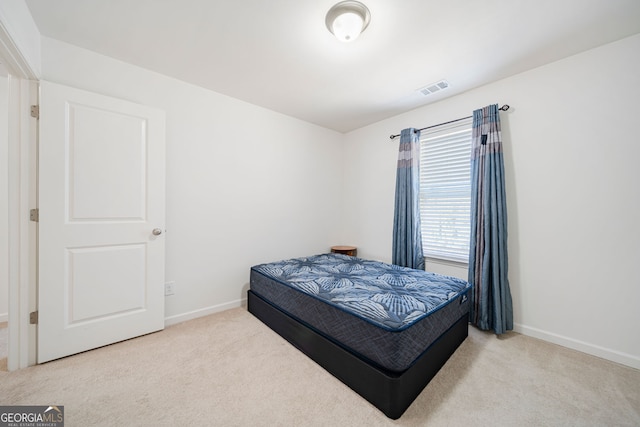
{"x": 449, "y": 262}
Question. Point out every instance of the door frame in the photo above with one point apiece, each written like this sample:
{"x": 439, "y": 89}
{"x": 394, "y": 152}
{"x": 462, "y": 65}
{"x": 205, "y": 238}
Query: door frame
{"x": 22, "y": 196}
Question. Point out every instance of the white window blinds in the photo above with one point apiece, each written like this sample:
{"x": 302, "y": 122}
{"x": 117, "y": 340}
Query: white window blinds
{"x": 445, "y": 191}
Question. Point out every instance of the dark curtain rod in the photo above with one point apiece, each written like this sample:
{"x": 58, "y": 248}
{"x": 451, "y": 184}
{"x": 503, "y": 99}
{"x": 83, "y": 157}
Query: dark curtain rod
{"x": 505, "y": 107}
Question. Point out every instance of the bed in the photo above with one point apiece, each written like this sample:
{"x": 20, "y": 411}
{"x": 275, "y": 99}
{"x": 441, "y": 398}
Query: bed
{"x": 381, "y": 329}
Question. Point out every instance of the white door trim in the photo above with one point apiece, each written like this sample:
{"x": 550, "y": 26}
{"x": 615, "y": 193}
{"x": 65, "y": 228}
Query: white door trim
{"x": 11, "y": 55}
{"x": 22, "y": 232}
{"x": 22, "y": 196}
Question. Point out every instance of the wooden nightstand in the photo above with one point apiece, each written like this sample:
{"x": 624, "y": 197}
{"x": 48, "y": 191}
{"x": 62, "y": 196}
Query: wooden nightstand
{"x": 346, "y": 250}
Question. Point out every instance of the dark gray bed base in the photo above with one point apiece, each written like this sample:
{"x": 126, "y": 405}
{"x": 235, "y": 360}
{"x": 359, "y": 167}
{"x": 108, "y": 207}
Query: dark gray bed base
{"x": 392, "y": 393}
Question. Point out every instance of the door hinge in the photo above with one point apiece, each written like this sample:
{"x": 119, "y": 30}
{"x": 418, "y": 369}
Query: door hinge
{"x": 35, "y": 111}
{"x": 34, "y": 215}
{"x": 33, "y": 318}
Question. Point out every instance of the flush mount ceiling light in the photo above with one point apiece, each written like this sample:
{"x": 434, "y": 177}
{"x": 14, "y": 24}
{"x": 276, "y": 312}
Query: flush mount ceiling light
{"x": 347, "y": 19}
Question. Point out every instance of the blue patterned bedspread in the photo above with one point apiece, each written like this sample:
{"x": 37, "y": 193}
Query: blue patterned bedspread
{"x": 386, "y": 295}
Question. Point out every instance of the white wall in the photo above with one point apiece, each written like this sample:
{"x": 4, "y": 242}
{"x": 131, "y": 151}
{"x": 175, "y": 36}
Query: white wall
{"x": 573, "y": 201}
{"x": 572, "y": 149}
{"x": 4, "y": 200}
{"x": 244, "y": 184}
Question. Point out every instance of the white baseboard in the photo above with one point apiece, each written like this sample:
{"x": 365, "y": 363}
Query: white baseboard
{"x": 594, "y": 350}
{"x": 4, "y": 317}
{"x": 179, "y": 318}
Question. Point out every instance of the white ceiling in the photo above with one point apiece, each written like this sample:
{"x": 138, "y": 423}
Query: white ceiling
{"x": 278, "y": 53}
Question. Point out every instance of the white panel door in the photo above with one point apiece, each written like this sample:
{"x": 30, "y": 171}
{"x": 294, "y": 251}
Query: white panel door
{"x": 101, "y": 195}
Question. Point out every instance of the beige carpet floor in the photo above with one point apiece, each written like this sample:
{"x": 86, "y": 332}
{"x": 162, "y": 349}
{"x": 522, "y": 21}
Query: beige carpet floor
{"x": 228, "y": 369}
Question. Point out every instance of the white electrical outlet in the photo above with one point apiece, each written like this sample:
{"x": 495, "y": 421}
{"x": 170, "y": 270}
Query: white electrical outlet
{"x": 169, "y": 288}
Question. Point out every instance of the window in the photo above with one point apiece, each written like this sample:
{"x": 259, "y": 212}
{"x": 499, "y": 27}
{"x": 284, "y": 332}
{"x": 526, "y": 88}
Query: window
{"x": 445, "y": 191}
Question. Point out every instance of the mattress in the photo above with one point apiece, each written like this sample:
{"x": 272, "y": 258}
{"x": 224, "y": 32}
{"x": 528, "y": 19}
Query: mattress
{"x": 385, "y": 314}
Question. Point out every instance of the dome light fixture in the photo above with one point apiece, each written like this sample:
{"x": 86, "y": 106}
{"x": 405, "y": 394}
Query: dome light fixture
{"x": 347, "y": 19}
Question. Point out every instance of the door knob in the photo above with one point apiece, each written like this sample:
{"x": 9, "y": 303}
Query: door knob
{"x": 157, "y": 231}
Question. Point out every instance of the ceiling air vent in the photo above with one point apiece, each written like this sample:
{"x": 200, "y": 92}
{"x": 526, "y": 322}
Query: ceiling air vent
{"x": 434, "y": 87}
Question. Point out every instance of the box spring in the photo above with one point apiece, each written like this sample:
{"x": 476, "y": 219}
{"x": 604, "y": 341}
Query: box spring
{"x": 390, "y": 392}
